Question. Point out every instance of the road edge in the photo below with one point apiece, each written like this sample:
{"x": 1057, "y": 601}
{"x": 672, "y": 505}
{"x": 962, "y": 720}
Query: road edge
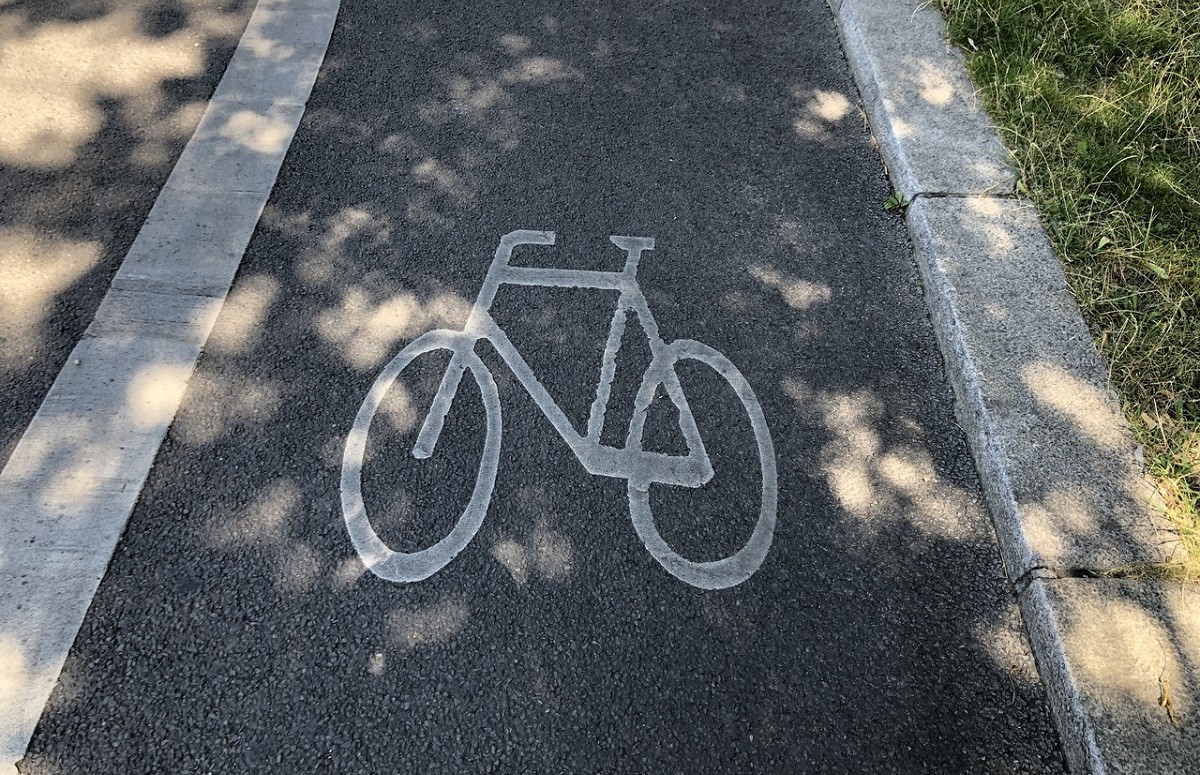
{"x": 983, "y": 255}
{"x": 76, "y": 473}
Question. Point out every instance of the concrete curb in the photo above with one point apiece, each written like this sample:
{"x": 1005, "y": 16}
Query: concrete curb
{"x": 1055, "y": 459}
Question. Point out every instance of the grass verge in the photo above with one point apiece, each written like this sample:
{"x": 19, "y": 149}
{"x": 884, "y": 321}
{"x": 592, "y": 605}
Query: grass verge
{"x": 1099, "y": 101}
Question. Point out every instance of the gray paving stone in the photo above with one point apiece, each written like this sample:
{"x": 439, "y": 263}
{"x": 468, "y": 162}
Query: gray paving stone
{"x": 282, "y": 47}
{"x": 183, "y": 316}
{"x": 236, "y": 147}
{"x": 39, "y": 590}
{"x": 291, "y": 66}
{"x": 94, "y": 436}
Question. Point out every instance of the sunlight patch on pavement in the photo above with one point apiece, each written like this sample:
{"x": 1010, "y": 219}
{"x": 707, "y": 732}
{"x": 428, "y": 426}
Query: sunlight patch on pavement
{"x": 798, "y": 294}
{"x": 347, "y": 572}
{"x": 822, "y": 109}
{"x": 444, "y": 179}
{"x": 265, "y": 525}
{"x": 1125, "y": 647}
{"x": 246, "y": 307}
{"x": 15, "y": 678}
{"x": 399, "y": 409}
{"x": 60, "y": 73}
{"x": 155, "y": 393}
{"x": 36, "y": 269}
{"x": 879, "y": 482}
{"x": 365, "y": 332}
{"x": 410, "y": 628}
{"x": 258, "y": 133}
{"x": 226, "y": 402}
{"x": 515, "y": 44}
{"x": 264, "y": 520}
{"x": 1054, "y": 522}
{"x": 936, "y": 88}
{"x": 324, "y": 256}
{"x": 514, "y": 557}
{"x": 1084, "y": 405}
{"x": 543, "y": 552}
{"x": 539, "y": 70}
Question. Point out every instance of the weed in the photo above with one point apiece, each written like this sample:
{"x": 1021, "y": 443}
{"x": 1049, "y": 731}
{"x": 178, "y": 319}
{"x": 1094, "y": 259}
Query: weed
{"x": 896, "y": 203}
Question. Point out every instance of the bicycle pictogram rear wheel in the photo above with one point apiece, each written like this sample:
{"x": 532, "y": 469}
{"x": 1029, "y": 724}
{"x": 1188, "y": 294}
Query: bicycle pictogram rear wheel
{"x": 742, "y": 564}
{"x": 381, "y": 559}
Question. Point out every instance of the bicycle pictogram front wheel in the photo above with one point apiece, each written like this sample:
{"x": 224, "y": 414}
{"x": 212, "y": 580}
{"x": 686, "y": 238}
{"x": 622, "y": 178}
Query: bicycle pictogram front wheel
{"x": 379, "y": 558}
{"x": 742, "y": 564}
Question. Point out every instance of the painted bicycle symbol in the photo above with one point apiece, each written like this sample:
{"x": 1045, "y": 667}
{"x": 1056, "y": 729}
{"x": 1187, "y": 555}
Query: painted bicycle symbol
{"x": 639, "y": 467}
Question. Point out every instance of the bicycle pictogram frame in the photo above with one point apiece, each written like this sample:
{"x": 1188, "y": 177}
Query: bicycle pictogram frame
{"x": 640, "y": 467}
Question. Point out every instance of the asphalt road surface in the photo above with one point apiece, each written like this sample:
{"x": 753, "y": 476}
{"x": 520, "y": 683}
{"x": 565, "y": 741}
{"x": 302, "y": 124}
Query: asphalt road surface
{"x": 238, "y": 630}
{"x": 101, "y": 96}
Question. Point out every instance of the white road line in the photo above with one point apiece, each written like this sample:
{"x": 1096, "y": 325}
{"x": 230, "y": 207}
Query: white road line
{"x": 74, "y": 477}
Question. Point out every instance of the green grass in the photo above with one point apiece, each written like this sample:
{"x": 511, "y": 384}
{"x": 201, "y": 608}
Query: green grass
{"x": 1099, "y": 101}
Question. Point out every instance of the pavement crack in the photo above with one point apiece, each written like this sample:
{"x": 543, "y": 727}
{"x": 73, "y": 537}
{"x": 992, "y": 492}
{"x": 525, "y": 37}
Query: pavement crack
{"x": 1080, "y": 573}
{"x": 1132, "y": 572}
{"x": 1022, "y": 582}
{"x": 1140, "y": 571}
{"x": 963, "y": 195}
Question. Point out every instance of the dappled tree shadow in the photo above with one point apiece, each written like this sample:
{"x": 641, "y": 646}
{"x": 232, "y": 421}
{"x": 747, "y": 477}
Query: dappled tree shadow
{"x": 103, "y": 97}
{"x": 237, "y": 623}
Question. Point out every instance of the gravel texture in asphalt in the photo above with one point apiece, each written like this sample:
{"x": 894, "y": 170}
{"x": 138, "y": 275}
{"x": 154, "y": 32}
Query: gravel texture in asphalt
{"x": 104, "y": 95}
{"x": 237, "y": 630}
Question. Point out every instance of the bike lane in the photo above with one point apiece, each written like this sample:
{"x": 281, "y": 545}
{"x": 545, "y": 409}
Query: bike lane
{"x": 237, "y": 628}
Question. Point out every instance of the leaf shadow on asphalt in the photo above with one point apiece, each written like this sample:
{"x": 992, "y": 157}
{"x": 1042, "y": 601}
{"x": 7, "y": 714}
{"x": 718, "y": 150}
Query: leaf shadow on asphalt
{"x": 236, "y": 628}
{"x": 105, "y": 94}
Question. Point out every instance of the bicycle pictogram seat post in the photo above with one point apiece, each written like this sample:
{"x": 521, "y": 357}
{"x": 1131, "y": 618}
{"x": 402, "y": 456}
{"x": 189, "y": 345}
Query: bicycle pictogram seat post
{"x": 634, "y": 247}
